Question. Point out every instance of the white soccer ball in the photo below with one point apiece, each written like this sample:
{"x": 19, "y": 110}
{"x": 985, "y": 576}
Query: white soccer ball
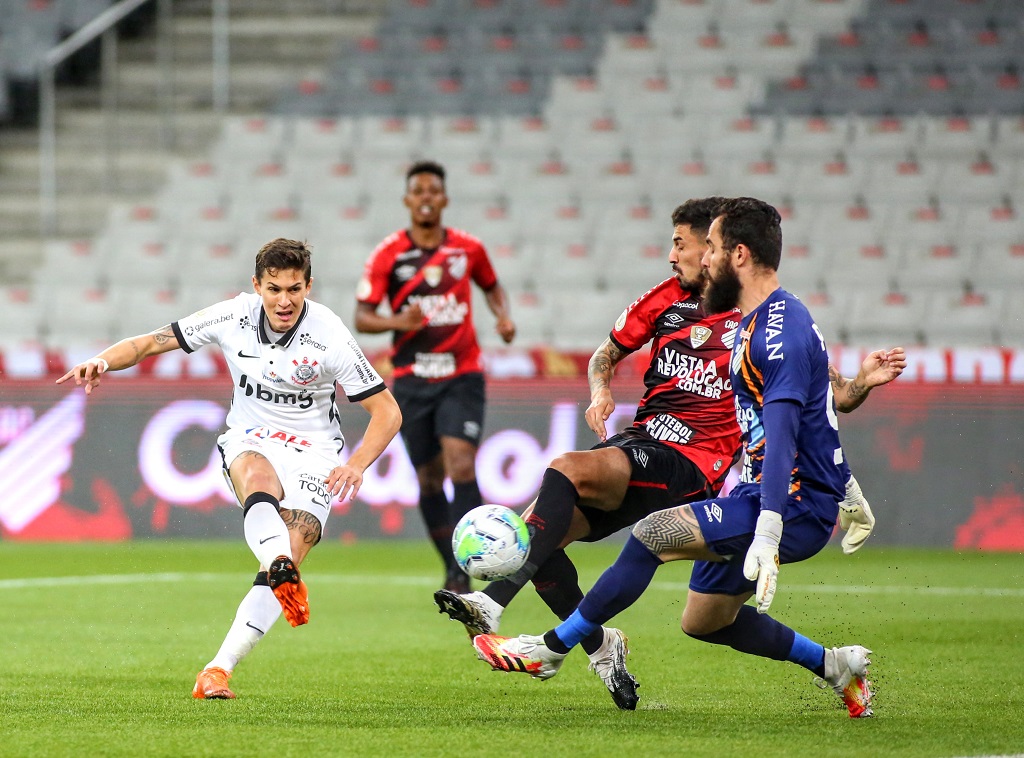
{"x": 491, "y": 542}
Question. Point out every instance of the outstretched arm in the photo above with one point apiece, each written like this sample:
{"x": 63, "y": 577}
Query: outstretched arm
{"x": 879, "y": 367}
{"x": 122, "y": 355}
{"x": 599, "y": 375}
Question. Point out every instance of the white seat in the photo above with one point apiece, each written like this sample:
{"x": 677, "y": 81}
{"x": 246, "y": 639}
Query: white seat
{"x": 904, "y": 179}
{"x": 955, "y": 318}
{"x": 739, "y": 137}
{"x": 27, "y": 309}
{"x": 251, "y": 139}
{"x": 145, "y": 309}
{"x": 936, "y": 264}
{"x": 955, "y": 136}
{"x": 392, "y": 138}
{"x": 1011, "y": 324}
{"x": 81, "y": 262}
{"x": 880, "y": 317}
{"x": 584, "y": 320}
{"x": 519, "y": 137}
{"x": 79, "y": 314}
{"x": 573, "y": 96}
{"x": 883, "y": 136}
{"x": 459, "y": 137}
{"x": 833, "y": 179}
{"x": 145, "y": 261}
{"x": 1000, "y": 265}
{"x": 322, "y": 139}
{"x": 820, "y": 137}
{"x": 975, "y": 179}
{"x": 718, "y": 92}
{"x": 830, "y": 309}
{"x": 1009, "y": 136}
{"x": 764, "y": 178}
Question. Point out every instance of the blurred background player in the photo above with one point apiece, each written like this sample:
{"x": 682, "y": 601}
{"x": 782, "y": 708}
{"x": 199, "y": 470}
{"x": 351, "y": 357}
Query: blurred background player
{"x": 784, "y": 508}
{"x": 282, "y": 445}
{"x": 426, "y": 274}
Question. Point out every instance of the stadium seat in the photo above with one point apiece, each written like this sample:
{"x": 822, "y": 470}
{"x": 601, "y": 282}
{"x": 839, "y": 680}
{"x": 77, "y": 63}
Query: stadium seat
{"x": 886, "y": 318}
{"x": 818, "y": 137}
{"x": 955, "y": 316}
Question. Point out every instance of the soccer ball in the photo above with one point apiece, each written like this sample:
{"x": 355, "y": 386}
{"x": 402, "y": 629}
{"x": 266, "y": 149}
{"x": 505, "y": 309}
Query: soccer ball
{"x": 491, "y": 542}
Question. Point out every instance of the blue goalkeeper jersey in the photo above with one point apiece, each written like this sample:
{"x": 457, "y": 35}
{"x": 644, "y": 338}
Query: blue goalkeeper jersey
{"x": 781, "y": 355}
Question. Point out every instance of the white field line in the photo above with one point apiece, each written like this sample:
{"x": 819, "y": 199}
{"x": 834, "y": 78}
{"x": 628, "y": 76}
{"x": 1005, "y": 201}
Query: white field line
{"x": 424, "y": 581}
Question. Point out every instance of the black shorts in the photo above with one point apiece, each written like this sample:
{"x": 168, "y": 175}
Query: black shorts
{"x": 661, "y": 478}
{"x": 431, "y": 410}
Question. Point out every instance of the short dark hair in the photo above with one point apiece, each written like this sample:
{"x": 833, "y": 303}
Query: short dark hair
{"x": 283, "y": 254}
{"x": 697, "y": 213}
{"x": 425, "y": 167}
{"x": 755, "y": 224}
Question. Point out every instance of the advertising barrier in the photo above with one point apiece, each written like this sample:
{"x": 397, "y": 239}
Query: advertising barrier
{"x": 939, "y": 462}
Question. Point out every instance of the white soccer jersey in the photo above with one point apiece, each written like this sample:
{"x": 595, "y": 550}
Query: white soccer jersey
{"x": 284, "y": 382}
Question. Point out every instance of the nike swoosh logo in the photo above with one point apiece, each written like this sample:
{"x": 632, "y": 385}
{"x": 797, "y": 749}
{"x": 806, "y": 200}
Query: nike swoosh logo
{"x": 268, "y": 539}
{"x": 256, "y": 628}
{"x": 243, "y": 355}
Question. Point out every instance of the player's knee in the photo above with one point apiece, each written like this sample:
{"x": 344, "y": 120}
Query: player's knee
{"x": 644, "y": 532}
{"x": 568, "y": 465}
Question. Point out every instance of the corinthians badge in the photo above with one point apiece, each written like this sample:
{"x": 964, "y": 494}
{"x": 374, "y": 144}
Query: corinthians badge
{"x": 305, "y": 372}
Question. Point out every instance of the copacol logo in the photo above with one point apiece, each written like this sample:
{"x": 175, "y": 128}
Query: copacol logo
{"x": 302, "y": 399}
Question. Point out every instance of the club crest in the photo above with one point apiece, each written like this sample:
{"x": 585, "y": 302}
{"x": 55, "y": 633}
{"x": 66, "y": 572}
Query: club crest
{"x": 432, "y": 275}
{"x": 305, "y": 372}
{"x": 699, "y": 335}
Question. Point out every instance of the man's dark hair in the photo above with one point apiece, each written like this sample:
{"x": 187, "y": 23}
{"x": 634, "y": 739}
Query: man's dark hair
{"x": 282, "y": 254}
{"x": 425, "y": 167}
{"x": 755, "y": 224}
{"x": 697, "y": 213}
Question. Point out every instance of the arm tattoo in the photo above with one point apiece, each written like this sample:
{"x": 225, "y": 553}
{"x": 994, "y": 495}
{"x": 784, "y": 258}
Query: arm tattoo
{"x": 163, "y": 335}
{"x": 848, "y": 393}
{"x": 303, "y": 522}
{"x": 138, "y": 353}
{"x": 669, "y": 529}
{"x": 602, "y": 364}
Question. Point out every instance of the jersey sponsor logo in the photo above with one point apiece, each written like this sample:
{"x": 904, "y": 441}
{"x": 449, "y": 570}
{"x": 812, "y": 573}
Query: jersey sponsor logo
{"x": 434, "y": 365}
{"x": 306, "y": 341}
{"x": 405, "y": 273}
{"x": 196, "y": 328}
{"x": 305, "y": 372}
{"x": 621, "y": 320}
{"x": 773, "y": 330}
{"x": 302, "y": 399}
{"x": 713, "y": 512}
{"x": 442, "y": 310}
{"x": 414, "y": 253}
{"x": 457, "y": 266}
{"x": 276, "y": 435}
{"x": 667, "y": 428}
{"x": 247, "y": 323}
{"x": 432, "y": 275}
{"x": 641, "y": 457}
{"x": 691, "y": 304}
{"x": 471, "y": 429}
{"x": 695, "y": 374}
{"x": 314, "y": 489}
{"x": 699, "y": 335}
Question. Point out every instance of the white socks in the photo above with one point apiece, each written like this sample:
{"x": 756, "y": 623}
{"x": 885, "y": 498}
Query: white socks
{"x": 256, "y": 614}
{"x": 265, "y": 533}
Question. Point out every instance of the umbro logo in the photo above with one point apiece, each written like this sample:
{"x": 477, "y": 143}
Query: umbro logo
{"x": 714, "y": 512}
{"x": 243, "y": 355}
{"x": 641, "y": 457}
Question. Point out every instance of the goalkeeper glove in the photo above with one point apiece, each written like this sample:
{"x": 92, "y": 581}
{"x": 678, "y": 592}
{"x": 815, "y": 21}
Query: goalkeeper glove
{"x": 762, "y": 560}
{"x": 855, "y": 517}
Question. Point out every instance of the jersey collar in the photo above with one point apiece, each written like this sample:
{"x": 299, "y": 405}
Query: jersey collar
{"x": 286, "y": 339}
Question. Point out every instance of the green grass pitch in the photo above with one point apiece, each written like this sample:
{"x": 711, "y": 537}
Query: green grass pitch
{"x": 101, "y": 644}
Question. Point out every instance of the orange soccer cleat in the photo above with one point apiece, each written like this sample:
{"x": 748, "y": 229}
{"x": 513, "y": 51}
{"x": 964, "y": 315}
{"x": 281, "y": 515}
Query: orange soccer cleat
{"x": 212, "y": 684}
{"x": 289, "y": 589}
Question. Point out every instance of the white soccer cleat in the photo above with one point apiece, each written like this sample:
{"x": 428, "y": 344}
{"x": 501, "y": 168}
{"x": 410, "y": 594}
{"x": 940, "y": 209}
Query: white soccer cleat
{"x": 855, "y": 517}
{"x": 846, "y": 672}
{"x": 609, "y": 663}
{"x": 523, "y": 654}
{"x": 475, "y": 610}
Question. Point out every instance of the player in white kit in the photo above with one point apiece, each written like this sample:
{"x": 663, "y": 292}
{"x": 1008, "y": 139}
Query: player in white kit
{"x": 287, "y": 355}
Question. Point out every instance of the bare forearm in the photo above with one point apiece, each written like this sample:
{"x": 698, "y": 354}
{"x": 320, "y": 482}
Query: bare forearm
{"x": 602, "y": 366}
{"x": 385, "y": 421}
{"x": 497, "y": 301}
{"x": 849, "y": 393}
{"x": 132, "y": 350}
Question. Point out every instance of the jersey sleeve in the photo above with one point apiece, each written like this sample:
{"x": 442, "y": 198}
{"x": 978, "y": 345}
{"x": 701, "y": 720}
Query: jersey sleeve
{"x": 373, "y": 285}
{"x": 636, "y": 325}
{"x": 208, "y": 325}
{"x": 352, "y": 370}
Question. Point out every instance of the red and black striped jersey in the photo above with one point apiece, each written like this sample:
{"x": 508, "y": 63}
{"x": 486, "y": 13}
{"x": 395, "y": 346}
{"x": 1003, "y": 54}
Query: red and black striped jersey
{"x": 688, "y": 404}
{"x": 440, "y": 282}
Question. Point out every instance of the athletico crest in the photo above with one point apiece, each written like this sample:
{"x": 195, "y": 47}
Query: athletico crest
{"x": 432, "y": 275}
{"x": 306, "y": 372}
{"x": 699, "y": 335}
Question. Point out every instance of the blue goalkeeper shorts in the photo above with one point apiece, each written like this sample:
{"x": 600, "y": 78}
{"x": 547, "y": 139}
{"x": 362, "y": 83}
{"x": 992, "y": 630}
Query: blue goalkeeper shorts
{"x": 727, "y": 524}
